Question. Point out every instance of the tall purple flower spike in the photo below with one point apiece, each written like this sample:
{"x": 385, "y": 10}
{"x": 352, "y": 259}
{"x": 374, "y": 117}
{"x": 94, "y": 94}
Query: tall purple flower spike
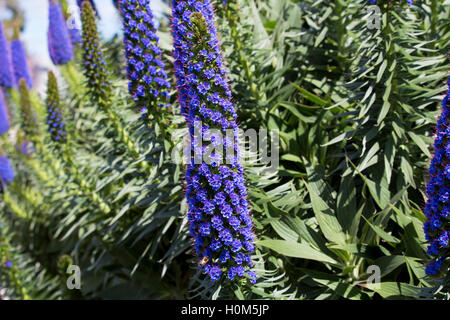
{"x": 219, "y": 217}
{"x": 437, "y": 208}
{"x": 6, "y": 70}
{"x": 59, "y": 41}
{"x": 4, "y": 118}
{"x": 20, "y": 63}
{"x": 146, "y": 74}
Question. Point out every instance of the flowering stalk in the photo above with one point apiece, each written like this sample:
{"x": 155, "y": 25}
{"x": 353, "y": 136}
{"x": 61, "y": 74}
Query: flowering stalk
{"x": 96, "y": 74}
{"x": 6, "y": 70}
{"x": 4, "y": 117}
{"x": 59, "y": 42}
{"x": 84, "y": 185}
{"x": 219, "y": 217}
{"x": 55, "y": 120}
{"x": 94, "y": 65}
{"x": 19, "y": 60}
{"x": 6, "y": 262}
{"x": 437, "y": 208}
{"x": 56, "y": 129}
{"x": 30, "y": 124}
{"x": 31, "y": 129}
{"x": 147, "y": 78}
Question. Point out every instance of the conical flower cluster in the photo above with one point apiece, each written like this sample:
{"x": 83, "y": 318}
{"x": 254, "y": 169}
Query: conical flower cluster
{"x": 55, "y": 120}
{"x": 20, "y": 63}
{"x": 6, "y": 69}
{"x": 59, "y": 41}
{"x": 4, "y": 117}
{"x": 147, "y": 78}
{"x": 219, "y": 216}
{"x": 29, "y": 119}
{"x": 437, "y": 209}
{"x": 94, "y": 66}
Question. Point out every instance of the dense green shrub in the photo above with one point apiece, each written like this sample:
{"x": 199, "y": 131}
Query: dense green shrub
{"x": 355, "y": 109}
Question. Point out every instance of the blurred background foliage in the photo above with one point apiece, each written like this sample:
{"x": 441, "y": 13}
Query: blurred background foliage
{"x": 355, "y": 109}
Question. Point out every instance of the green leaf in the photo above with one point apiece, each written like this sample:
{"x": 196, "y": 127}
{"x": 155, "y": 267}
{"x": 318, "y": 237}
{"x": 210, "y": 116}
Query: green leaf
{"x": 379, "y": 192}
{"x": 381, "y": 70}
{"x": 407, "y": 170}
{"x": 384, "y": 111}
{"x": 291, "y": 157}
{"x": 321, "y": 36}
{"x": 293, "y": 109}
{"x": 296, "y": 250}
{"x": 339, "y": 138}
{"x": 393, "y": 289}
{"x": 370, "y": 158}
{"x": 384, "y": 235}
{"x": 311, "y": 97}
{"x": 341, "y": 288}
{"x": 418, "y": 269}
{"x": 325, "y": 215}
{"x": 346, "y": 206}
{"x": 283, "y": 230}
{"x": 420, "y": 143}
{"x": 388, "y": 264}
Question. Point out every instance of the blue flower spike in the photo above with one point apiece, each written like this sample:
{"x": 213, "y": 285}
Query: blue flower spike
{"x": 58, "y": 36}
{"x": 220, "y": 223}
{"x": 437, "y": 208}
